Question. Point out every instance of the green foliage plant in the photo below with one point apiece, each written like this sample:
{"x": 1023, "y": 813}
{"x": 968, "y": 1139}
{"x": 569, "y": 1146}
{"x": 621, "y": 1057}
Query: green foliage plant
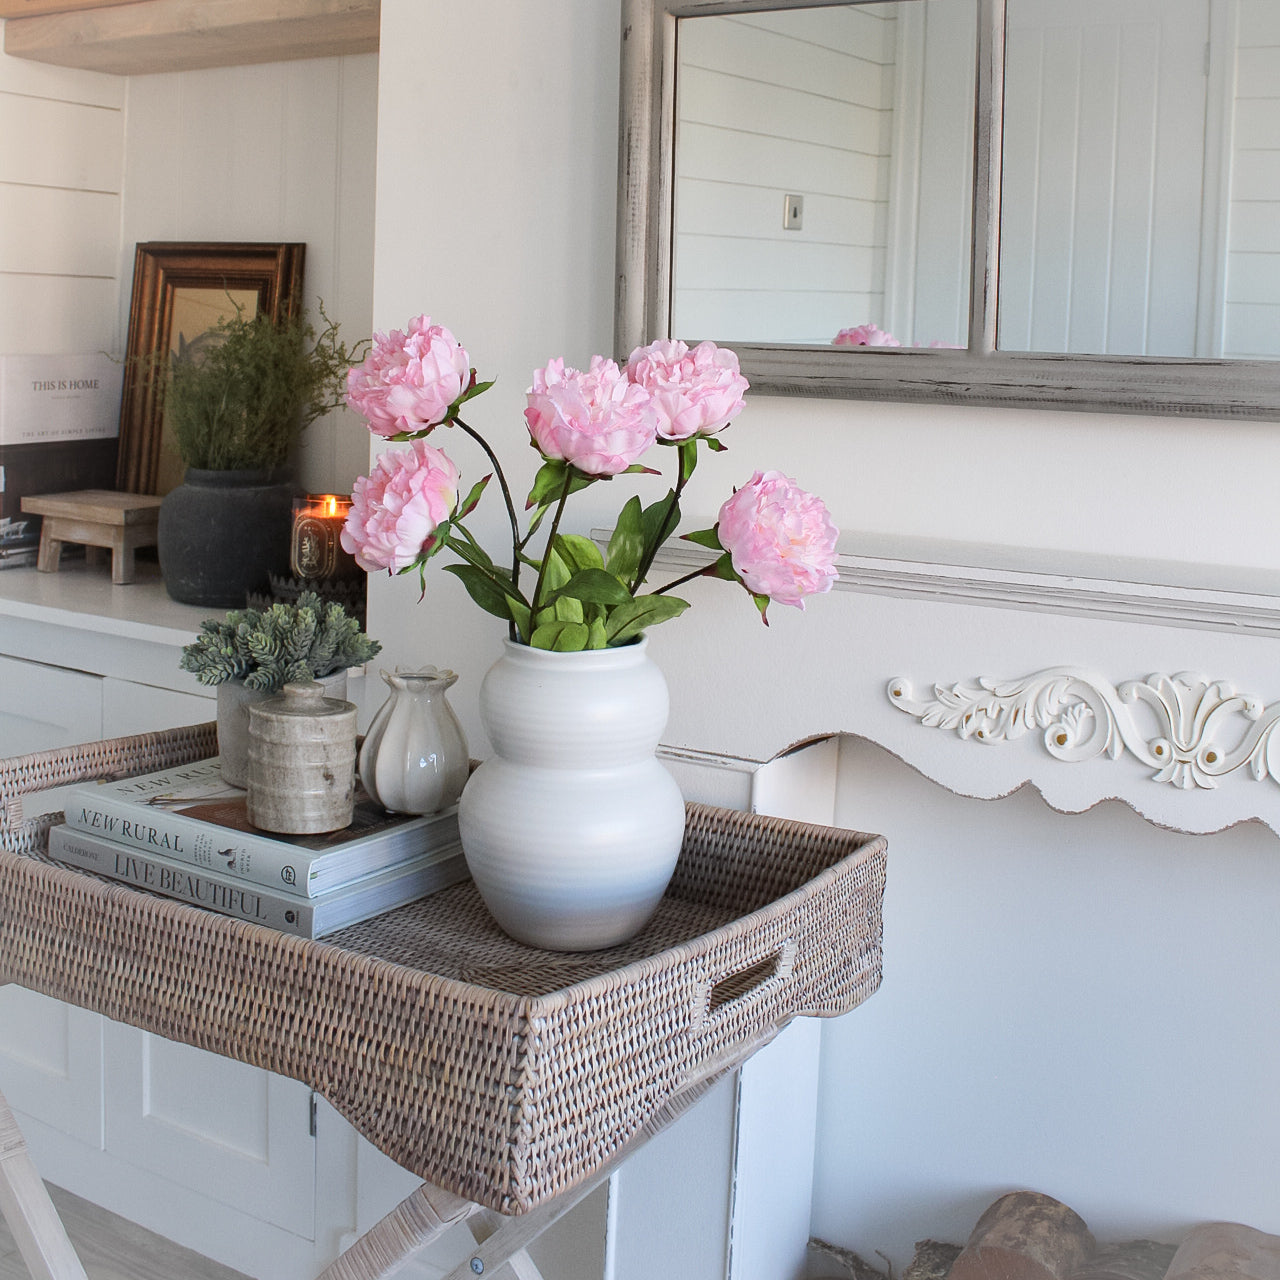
{"x": 240, "y": 394}
{"x": 269, "y": 648}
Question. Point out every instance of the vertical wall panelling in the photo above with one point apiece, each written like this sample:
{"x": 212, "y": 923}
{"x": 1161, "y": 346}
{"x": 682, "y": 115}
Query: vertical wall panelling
{"x": 931, "y": 180}
{"x": 61, "y": 152}
{"x": 1103, "y": 176}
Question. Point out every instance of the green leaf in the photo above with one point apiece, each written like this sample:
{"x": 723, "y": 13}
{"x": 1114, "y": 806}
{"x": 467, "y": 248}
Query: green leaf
{"x": 594, "y": 586}
{"x": 547, "y": 485}
{"x": 716, "y": 445}
{"x": 475, "y": 389}
{"x": 558, "y": 573}
{"x": 597, "y": 635}
{"x": 762, "y": 603}
{"x": 519, "y": 612}
{"x": 564, "y": 637}
{"x": 579, "y": 553}
{"x": 722, "y": 568}
{"x": 688, "y": 459}
{"x": 482, "y": 589}
{"x": 659, "y": 521}
{"x": 473, "y": 498}
{"x": 626, "y": 546}
{"x": 704, "y": 538}
{"x": 628, "y": 621}
{"x": 567, "y": 609}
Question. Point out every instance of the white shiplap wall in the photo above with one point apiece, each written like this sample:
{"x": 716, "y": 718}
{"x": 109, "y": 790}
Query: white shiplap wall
{"x": 1252, "y": 325}
{"x": 92, "y": 164}
{"x": 278, "y": 152}
{"x": 61, "y": 173}
{"x": 770, "y": 105}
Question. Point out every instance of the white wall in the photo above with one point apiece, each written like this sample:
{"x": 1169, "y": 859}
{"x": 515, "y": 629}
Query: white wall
{"x": 1072, "y": 1003}
{"x": 518, "y": 262}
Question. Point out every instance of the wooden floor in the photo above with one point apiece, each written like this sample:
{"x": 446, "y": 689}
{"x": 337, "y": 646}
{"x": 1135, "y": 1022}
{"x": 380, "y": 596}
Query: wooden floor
{"x": 113, "y": 1249}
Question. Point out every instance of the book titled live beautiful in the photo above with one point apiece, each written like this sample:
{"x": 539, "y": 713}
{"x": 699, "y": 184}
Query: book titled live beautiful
{"x": 313, "y": 917}
{"x": 190, "y": 815}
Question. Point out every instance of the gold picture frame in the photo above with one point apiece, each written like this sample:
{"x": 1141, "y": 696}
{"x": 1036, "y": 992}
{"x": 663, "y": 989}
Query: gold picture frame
{"x": 180, "y": 290}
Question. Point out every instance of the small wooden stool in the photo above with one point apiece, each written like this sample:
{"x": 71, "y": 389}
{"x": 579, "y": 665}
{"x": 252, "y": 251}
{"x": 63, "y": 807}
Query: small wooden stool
{"x": 98, "y": 518}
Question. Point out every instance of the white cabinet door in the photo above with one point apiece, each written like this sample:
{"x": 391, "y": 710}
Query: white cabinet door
{"x": 44, "y": 707}
{"x": 237, "y": 1134}
{"x": 51, "y": 1062}
{"x": 141, "y": 708}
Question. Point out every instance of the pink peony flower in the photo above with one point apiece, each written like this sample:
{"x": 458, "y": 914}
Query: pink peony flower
{"x": 409, "y": 380}
{"x": 696, "y": 393}
{"x": 780, "y": 539}
{"x": 865, "y": 335}
{"x": 596, "y": 420}
{"x": 399, "y": 505}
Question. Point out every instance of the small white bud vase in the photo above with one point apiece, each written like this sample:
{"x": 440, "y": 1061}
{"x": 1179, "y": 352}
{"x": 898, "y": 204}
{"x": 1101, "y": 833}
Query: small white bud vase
{"x": 414, "y": 758}
{"x": 572, "y": 829}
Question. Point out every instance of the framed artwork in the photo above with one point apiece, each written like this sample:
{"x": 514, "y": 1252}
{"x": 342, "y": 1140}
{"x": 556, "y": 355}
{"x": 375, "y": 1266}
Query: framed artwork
{"x": 181, "y": 290}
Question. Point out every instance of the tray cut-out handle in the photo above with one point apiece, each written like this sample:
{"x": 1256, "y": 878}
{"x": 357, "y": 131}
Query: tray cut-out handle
{"x": 749, "y": 985}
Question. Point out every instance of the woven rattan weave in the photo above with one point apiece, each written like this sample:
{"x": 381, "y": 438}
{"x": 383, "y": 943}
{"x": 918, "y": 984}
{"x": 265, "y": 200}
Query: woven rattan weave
{"x": 502, "y": 1073}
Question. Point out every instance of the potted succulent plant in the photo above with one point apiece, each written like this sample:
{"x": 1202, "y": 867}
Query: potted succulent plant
{"x": 252, "y": 653}
{"x": 238, "y": 398}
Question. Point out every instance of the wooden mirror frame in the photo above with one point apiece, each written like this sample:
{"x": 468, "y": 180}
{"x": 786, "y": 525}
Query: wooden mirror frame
{"x": 273, "y": 271}
{"x": 980, "y": 375}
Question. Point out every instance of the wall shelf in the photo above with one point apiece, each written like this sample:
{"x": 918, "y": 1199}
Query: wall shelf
{"x": 173, "y": 35}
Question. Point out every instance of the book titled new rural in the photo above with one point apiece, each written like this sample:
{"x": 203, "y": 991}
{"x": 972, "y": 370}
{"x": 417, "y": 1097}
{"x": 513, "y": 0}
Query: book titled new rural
{"x": 189, "y": 814}
{"x": 349, "y": 904}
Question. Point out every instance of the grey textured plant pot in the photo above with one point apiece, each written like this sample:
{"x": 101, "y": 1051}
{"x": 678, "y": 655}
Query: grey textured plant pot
{"x": 234, "y": 701}
{"x": 222, "y": 534}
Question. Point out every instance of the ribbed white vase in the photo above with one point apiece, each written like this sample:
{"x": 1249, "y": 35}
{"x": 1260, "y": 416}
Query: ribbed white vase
{"x": 572, "y": 829}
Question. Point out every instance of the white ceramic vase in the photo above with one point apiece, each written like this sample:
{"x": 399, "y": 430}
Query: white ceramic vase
{"x": 414, "y": 758}
{"x": 572, "y": 829}
{"x": 234, "y": 701}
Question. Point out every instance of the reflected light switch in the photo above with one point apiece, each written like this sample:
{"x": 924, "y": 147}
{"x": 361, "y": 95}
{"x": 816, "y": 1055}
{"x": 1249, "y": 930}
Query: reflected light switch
{"x": 793, "y": 213}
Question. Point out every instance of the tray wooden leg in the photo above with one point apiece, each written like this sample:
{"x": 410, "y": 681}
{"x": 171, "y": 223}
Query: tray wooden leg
{"x": 26, "y": 1207}
{"x": 412, "y": 1225}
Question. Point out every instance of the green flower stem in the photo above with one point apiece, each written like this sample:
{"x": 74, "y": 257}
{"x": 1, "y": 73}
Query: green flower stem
{"x": 679, "y": 582}
{"x": 516, "y": 544}
{"x": 551, "y": 542}
{"x": 650, "y": 553}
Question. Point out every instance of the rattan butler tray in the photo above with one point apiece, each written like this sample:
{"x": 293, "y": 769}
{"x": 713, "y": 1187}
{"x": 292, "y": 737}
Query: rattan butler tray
{"x": 509, "y": 1079}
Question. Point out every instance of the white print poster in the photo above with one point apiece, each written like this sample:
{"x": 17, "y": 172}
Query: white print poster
{"x": 51, "y": 398}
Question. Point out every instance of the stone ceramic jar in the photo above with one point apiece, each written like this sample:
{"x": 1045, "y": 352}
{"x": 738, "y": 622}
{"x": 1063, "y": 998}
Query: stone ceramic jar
{"x": 302, "y": 761}
{"x": 234, "y": 701}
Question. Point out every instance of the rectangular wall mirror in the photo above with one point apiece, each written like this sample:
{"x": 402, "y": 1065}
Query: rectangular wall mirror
{"x": 1029, "y": 202}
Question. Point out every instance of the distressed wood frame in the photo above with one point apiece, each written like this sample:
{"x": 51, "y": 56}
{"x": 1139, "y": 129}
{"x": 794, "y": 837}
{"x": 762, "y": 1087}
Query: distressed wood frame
{"x": 273, "y": 271}
{"x": 980, "y": 375}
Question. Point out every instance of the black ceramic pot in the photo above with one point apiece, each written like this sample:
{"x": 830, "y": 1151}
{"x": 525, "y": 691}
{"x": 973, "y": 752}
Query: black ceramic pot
{"x": 223, "y": 533}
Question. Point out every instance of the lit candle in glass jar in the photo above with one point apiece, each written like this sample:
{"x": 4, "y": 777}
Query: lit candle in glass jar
{"x": 315, "y": 552}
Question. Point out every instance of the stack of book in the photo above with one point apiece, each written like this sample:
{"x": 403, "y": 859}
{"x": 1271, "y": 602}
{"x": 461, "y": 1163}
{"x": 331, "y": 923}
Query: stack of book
{"x": 184, "y": 833}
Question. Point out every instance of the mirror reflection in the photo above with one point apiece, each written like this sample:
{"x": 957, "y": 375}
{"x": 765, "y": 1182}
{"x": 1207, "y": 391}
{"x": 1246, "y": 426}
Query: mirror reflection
{"x": 823, "y": 164}
{"x": 823, "y": 176}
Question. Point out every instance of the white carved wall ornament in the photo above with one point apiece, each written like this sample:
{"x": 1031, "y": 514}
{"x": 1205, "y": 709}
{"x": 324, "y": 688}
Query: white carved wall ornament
{"x": 1189, "y": 730}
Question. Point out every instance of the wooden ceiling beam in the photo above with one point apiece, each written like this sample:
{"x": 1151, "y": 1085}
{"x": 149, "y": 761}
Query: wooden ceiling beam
{"x": 145, "y": 36}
